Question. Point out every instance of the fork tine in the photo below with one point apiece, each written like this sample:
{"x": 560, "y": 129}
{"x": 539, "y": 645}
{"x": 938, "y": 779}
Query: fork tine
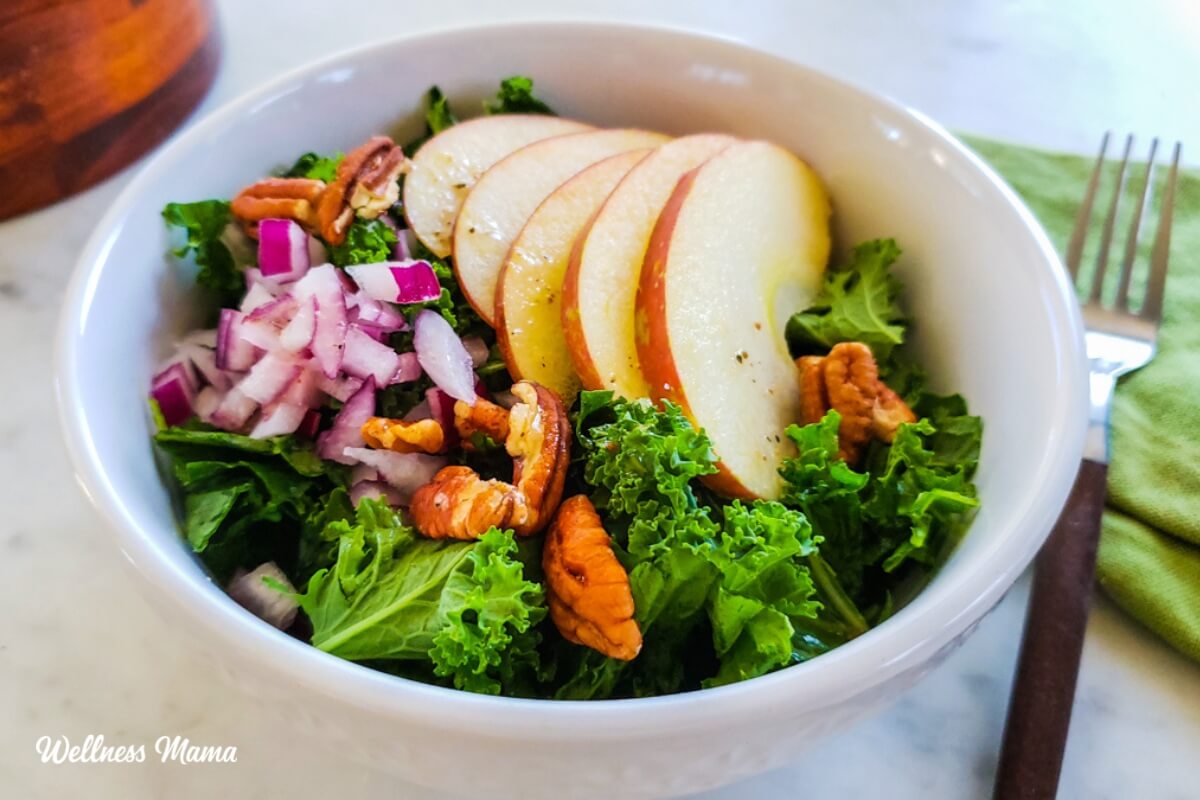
{"x": 1152, "y": 308}
{"x": 1110, "y": 223}
{"x": 1135, "y": 225}
{"x": 1084, "y": 218}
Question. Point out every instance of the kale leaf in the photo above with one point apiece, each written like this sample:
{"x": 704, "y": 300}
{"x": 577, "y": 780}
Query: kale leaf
{"x": 204, "y": 224}
{"x": 516, "y": 97}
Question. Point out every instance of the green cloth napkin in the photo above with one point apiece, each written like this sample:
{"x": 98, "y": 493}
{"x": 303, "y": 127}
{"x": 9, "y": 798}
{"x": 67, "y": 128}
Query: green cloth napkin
{"x": 1150, "y": 546}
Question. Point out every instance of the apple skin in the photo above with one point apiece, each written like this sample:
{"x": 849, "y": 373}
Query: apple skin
{"x": 529, "y": 293}
{"x": 789, "y": 239}
{"x": 511, "y": 190}
{"x": 606, "y": 242}
{"x": 652, "y": 334}
{"x": 447, "y": 165}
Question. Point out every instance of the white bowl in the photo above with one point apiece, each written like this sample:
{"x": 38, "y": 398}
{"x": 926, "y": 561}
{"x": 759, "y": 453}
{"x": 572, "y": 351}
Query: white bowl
{"x": 996, "y": 320}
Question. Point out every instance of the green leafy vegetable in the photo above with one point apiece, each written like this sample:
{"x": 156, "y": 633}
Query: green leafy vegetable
{"x": 204, "y": 223}
{"x": 859, "y": 302}
{"x": 464, "y": 607}
{"x": 367, "y": 242}
{"x": 516, "y": 97}
{"x": 246, "y": 500}
{"x": 315, "y": 167}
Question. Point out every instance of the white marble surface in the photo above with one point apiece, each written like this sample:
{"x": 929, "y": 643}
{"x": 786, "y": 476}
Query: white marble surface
{"x": 80, "y": 652}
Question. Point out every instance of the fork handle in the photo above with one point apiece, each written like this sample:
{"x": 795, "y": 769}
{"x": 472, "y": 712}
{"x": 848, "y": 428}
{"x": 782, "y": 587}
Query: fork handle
{"x": 1039, "y": 712}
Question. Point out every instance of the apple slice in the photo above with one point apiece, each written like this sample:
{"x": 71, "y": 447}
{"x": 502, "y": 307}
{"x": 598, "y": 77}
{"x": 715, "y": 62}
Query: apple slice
{"x": 503, "y": 198}
{"x": 447, "y": 166}
{"x": 741, "y": 244}
{"x": 529, "y": 295}
{"x": 600, "y": 288}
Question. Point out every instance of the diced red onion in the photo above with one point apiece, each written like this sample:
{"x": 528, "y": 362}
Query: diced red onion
{"x": 362, "y": 472}
{"x": 405, "y": 244}
{"x": 253, "y": 593}
{"x": 323, "y": 284}
{"x": 298, "y": 334}
{"x": 234, "y": 410}
{"x": 258, "y": 294}
{"x": 366, "y": 358}
{"x": 397, "y": 281}
{"x": 441, "y": 408}
{"x": 369, "y": 311}
{"x": 278, "y": 420}
{"x": 263, "y": 326}
{"x": 477, "y": 350}
{"x": 443, "y": 356}
{"x": 207, "y": 401}
{"x": 347, "y": 425}
{"x": 376, "y": 490}
{"x": 317, "y": 254}
{"x": 205, "y": 362}
{"x": 303, "y": 391}
{"x": 409, "y": 369}
{"x": 174, "y": 392}
{"x": 269, "y": 378}
{"x": 282, "y": 250}
{"x": 340, "y": 389}
{"x": 405, "y": 472}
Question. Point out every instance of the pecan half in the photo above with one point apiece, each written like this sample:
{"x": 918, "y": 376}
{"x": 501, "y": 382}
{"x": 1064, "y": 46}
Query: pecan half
{"x": 484, "y": 417}
{"x": 418, "y": 436}
{"x": 588, "y": 590}
{"x": 365, "y": 184}
{"x": 458, "y": 504}
{"x": 847, "y": 380}
{"x": 277, "y": 198}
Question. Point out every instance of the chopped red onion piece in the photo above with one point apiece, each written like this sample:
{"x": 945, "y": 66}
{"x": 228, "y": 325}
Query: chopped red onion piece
{"x": 376, "y": 490}
{"x": 347, "y": 425}
{"x": 269, "y": 378}
{"x": 405, "y": 472}
{"x": 234, "y": 410}
{"x": 310, "y": 424}
{"x": 340, "y": 389}
{"x": 252, "y": 592}
{"x": 278, "y": 420}
{"x": 406, "y": 243}
{"x": 366, "y": 358}
{"x": 233, "y": 352}
{"x": 173, "y": 390}
{"x": 282, "y": 250}
{"x": 477, "y": 350}
{"x": 303, "y": 391}
{"x": 205, "y": 362}
{"x": 263, "y": 326}
{"x": 323, "y": 284}
{"x": 369, "y": 311}
{"x": 362, "y": 472}
{"x": 298, "y": 334}
{"x": 409, "y": 369}
{"x": 443, "y": 356}
{"x": 397, "y": 281}
{"x": 207, "y": 401}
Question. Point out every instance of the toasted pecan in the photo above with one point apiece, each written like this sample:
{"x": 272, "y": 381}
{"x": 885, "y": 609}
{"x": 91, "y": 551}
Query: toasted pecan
{"x": 588, "y": 590}
{"x": 365, "y": 185}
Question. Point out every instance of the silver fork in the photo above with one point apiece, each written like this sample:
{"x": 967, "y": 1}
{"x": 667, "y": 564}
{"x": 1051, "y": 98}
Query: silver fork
{"x": 1119, "y": 340}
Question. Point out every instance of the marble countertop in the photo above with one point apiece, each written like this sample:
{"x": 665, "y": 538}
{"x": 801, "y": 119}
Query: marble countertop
{"x": 82, "y": 653}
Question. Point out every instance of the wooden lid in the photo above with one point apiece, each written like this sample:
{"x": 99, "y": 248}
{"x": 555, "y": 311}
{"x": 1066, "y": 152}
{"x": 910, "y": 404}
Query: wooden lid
{"x": 88, "y": 86}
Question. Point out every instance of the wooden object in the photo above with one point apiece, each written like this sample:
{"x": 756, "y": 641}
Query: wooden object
{"x": 88, "y": 86}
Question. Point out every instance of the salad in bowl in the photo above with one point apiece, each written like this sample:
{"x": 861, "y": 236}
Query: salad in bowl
{"x": 534, "y": 408}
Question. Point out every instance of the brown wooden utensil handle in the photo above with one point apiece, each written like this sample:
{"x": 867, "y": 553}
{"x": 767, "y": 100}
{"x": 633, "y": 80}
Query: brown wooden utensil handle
{"x": 1039, "y": 712}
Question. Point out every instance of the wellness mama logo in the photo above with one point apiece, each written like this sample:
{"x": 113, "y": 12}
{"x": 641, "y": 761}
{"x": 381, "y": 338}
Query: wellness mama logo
{"x": 94, "y": 750}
